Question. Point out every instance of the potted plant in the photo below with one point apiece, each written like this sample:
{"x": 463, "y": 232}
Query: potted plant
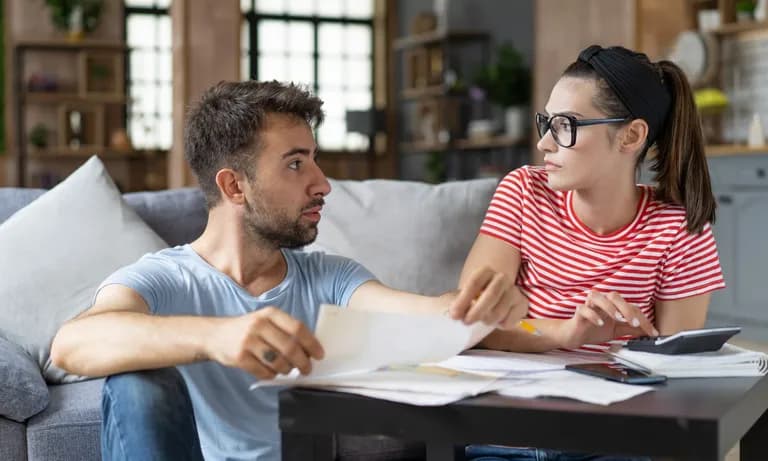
{"x": 77, "y": 17}
{"x": 507, "y": 83}
{"x": 38, "y": 136}
{"x": 745, "y": 10}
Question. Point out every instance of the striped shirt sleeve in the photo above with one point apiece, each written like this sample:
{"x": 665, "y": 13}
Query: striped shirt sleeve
{"x": 692, "y": 266}
{"x": 503, "y": 220}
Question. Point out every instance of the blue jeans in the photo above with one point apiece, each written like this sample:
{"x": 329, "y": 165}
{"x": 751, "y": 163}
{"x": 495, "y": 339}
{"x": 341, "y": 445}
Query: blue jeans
{"x": 148, "y": 415}
{"x": 497, "y": 453}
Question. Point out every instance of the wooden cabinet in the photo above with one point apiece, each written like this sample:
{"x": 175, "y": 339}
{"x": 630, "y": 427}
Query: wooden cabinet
{"x": 740, "y": 184}
{"x": 70, "y": 103}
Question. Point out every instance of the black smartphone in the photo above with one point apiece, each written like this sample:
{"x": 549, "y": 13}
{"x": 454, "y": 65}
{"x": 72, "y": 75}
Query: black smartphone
{"x": 617, "y": 372}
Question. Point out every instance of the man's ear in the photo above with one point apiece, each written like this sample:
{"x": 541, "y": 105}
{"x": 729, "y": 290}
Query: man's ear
{"x": 231, "y": 185}
{"x": 634, "y": 136}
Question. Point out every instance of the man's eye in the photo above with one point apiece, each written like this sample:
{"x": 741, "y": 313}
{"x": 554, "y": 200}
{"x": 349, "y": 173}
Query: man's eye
{"x": 294, "y": 165}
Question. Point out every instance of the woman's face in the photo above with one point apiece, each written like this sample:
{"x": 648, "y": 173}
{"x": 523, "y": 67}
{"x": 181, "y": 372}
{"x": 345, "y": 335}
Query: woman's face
{"x": 594, "y": 157}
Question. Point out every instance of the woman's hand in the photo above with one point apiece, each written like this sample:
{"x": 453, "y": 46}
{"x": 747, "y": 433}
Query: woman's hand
{"x": 601, "y": 318}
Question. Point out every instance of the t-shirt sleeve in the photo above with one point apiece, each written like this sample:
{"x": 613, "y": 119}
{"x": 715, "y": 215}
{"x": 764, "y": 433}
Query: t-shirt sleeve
{"x": 504, "y": 217}
{"x": 343, "y": 277}
{"x": 151, "y": 277}
{"x": 692, "y": 266}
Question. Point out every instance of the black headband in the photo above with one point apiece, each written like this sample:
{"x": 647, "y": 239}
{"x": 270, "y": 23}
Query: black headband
{"x": 637, "y": 85}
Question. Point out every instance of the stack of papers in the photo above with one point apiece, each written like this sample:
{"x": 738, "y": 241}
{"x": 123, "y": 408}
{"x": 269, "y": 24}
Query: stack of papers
{"x": 414, "y": 359}
{"x": 730, "y": 360}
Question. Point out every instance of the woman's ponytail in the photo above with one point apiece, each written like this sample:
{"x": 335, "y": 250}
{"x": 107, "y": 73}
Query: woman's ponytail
{"x": 680, "y": 163}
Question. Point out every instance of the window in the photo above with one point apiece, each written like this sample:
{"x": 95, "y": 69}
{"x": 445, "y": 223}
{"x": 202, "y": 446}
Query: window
{"x": 325, "y": 44}
{"x": 148, "y": 36}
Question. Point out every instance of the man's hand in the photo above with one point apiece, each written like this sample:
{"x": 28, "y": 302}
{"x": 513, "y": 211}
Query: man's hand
{"x": 490, "y": 297}
{"x": 264, "y": 343}
{"x": 601, "y": 318}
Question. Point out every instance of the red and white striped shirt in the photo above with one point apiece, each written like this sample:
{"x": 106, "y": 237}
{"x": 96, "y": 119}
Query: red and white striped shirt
{"x": 652, "y": 258}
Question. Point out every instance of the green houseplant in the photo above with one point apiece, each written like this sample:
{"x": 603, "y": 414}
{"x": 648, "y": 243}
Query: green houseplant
{"x": 507, "y": 83}
{"x": 75, "y": 14}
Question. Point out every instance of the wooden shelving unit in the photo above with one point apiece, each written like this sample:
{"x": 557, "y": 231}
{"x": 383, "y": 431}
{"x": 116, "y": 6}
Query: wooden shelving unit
{"x": 437, "y": 37}
{"x": 741, "y": 27}
{"x": 80, "y": 104}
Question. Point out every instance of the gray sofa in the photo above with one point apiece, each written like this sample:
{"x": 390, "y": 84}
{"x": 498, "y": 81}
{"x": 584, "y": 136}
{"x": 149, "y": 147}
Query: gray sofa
{"x": 412, "y": 236}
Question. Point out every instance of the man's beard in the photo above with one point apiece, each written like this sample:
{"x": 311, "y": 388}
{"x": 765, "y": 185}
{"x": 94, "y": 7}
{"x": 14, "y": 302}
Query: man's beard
{"x": 275, "y": 228}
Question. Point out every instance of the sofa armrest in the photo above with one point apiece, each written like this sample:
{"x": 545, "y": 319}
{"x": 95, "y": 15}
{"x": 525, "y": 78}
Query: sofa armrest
{"x": 23, "y": 391}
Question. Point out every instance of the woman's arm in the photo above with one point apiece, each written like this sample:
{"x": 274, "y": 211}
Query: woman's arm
{"x": 682, "y": 314}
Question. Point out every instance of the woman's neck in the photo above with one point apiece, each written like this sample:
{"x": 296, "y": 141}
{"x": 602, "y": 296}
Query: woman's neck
{"x": 607, "y": 209}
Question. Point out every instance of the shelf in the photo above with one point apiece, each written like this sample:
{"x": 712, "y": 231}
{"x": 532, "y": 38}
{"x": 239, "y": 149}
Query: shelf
{"x": 721, "y": 150}
{"x": 428, "y": 92}
{"x": 434, "y": 37}
{"x": 464, "y": 144}
{"x": 739, "y": 27}
{"x": 55, "y": 97}
{"x": 67, "y": 45}
{"x": 65, "y": 153}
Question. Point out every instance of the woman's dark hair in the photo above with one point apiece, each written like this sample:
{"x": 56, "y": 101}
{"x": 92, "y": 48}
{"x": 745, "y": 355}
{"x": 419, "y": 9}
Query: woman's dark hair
{"x": 223, "y": 129}
{"x": 679, "y": 161}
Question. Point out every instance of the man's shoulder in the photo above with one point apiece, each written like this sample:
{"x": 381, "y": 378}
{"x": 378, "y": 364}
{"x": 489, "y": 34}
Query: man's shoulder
{"x": 317, "y": 259}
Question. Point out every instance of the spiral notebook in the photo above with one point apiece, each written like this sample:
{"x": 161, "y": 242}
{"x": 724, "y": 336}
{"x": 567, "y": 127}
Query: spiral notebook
{"x": 730, "y": 360}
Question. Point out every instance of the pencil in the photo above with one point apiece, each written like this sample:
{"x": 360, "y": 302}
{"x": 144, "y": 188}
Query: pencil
{"x": 529, "y": 328}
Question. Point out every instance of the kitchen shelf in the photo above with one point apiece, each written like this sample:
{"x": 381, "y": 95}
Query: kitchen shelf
{"x": 719, "y": 150}
{"x": 740, "y": 27}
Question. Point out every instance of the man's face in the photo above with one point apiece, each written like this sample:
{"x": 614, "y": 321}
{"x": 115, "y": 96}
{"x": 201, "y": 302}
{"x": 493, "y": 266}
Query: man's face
{"x": 285, "y": 196}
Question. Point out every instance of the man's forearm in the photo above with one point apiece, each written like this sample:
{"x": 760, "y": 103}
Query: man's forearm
{"x": 116, "y": 342}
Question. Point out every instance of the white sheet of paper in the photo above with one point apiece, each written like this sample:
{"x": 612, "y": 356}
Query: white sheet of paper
{"x": 480, "y": 360}
{"x": 569, "y": 385}
{"x": 359, "y": 340}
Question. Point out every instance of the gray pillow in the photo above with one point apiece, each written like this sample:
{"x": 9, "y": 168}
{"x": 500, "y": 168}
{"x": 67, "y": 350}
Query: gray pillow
{"x": 55, "y": 253}
{"x": 23, "y": 392}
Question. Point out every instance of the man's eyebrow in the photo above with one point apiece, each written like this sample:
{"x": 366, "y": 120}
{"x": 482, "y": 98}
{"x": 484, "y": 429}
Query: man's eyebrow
{"x": 297, "y": 150}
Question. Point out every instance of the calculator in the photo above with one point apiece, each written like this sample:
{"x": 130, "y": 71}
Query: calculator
{"x": 684, "y": 342}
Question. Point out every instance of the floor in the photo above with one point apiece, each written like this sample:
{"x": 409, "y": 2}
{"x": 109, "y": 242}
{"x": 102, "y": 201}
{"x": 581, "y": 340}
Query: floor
{"x": 733, "y": 455}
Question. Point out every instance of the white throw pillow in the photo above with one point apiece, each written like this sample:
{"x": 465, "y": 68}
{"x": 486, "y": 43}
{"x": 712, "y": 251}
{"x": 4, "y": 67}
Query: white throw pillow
{"x": 412, "y": 236}
{"x": 56, "y": 251}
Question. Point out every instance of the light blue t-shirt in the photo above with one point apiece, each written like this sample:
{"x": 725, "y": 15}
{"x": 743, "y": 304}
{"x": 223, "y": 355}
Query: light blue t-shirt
{"x": 235, "y": 423}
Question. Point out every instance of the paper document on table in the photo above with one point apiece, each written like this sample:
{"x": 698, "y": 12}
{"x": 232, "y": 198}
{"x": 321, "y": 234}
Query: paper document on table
{"x": 481, "y": 360}
{"x": 729, "y": 360}
{"x": 566, "y": 384}
{"x": 357, "y": 340}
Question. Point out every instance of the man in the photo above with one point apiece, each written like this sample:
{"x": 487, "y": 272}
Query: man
{"x": 237, "y": 303}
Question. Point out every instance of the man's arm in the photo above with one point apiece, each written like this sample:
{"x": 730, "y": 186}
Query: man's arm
{"x": 118, "y": 334}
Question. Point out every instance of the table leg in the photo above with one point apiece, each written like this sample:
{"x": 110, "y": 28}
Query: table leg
{"x": 444, "y": 451}
{"x": 754, "y": 444}
{"x": 307, "y": 447}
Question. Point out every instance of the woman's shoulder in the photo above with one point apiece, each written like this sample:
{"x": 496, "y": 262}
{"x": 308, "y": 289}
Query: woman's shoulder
{"x": 526, "y": 175}
{"x": 663, "y": 212}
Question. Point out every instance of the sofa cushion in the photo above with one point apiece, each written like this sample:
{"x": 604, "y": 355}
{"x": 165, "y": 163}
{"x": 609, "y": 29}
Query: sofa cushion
{"x": 13, "y": 440}
{"x": 23, "y": 392}
{"x": 13, "y": 199}
{"x": 57, "y": 250}
{"x": 178, "y": 216}
{"x": 70, "y": 427}
{"x": 412, "y": 236}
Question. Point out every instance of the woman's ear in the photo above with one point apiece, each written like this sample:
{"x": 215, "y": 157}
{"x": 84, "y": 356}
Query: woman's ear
{"x": 634, "y": 136}
{"x": 231, "y": 185}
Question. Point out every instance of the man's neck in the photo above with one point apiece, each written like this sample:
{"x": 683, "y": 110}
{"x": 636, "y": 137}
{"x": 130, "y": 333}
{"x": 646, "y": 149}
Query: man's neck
{"x": 254, "y": 266}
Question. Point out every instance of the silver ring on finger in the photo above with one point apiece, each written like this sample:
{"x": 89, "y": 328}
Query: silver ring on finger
{"x": 269, "y": 355}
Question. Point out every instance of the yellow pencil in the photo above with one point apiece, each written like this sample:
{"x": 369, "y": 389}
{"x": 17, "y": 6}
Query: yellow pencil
{"x": 529, "y": 328}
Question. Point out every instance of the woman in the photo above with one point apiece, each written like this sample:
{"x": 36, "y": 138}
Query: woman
{"x": 594, "y": 255}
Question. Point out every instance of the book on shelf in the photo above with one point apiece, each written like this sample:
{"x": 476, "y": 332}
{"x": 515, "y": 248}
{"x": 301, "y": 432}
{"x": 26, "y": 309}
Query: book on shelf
{"x": 730, "y": 360}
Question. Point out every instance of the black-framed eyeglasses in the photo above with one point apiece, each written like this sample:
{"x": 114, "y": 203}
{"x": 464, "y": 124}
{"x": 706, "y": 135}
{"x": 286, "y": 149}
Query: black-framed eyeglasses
{"x": 563, "y": 126}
